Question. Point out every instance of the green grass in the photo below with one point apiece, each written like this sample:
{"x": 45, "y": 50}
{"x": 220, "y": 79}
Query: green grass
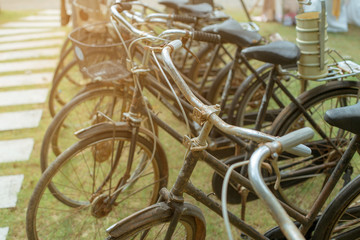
{"x": 9, "y": 16}
{"x": 346, "y": 43}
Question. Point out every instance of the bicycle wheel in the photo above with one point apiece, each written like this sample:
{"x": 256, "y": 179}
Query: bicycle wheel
{"x": 341, "y": 220}
{"x": 303, "y": 178}
{"x": 153, "y": 223}
{"x": 65, "y": 86}
{"x": 81, "y": 112}
{"x": 82, "y": 181}
{"x": 247, "y": 99}
{"x": 64, "y": 58}
{"x": 199, "y": 66}
{"x": 240, "y": 73}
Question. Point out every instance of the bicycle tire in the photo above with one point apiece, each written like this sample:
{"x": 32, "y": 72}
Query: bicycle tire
{"x": 316, "y": 101}
{"x": 160, "y": 214}
{"x": 344, "y": 210}
{"x": 73, "y": 209}
{"x": 65, "y": 51}
{"x": 199, "y": 65}
{"x": 81, "y": 112}
{"x": 73, "y": 77}
{"x": 61, "y": 92}
{"x": 246, "y": 102}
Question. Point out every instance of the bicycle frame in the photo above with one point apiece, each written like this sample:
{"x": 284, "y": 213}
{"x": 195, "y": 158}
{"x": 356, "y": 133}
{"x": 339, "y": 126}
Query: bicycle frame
{"x": 182, "y": 184}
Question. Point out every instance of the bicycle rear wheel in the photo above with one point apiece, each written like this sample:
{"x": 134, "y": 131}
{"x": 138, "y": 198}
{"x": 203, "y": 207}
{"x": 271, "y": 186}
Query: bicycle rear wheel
{"x": 341, "y": 220}
{"x": 71, "y": 199}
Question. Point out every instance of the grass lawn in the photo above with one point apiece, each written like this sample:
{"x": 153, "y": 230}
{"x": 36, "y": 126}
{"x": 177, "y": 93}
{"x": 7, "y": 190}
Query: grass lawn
{"x": 348, "y": 44}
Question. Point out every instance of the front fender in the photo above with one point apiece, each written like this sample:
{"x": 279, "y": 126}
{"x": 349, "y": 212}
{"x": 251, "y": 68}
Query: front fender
{"x": 152, "y": 214}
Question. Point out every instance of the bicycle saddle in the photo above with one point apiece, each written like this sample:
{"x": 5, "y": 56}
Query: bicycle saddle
{"x": 279, "y": 52}
{"x": 232, "y": 32}
{"x": 174, "y": 4}
{"x": 347, "y": 118}
{"x": 197, "y": 10}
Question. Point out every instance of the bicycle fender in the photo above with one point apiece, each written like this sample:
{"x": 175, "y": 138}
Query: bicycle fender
{"x": 153, "y": 213}
{"x": 109, "y": 127}
{"x": 100, "y": 128}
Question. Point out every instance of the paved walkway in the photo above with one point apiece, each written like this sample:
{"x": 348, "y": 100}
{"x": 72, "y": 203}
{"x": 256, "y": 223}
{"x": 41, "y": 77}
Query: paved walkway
{"x": 28, "y": 54}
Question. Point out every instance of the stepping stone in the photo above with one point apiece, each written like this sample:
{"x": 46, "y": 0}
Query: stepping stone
{"x": 31, "y": 24}
{"x": 27, "y": 65}
{"x": 16, "y": 150}
{"x": 25, "y": 79}
{"x": 50, "y": 12}
{"x": 22, "y": 97}
{"x": 34, "y": 53}
{"x": 4, "y": 32}
{"x": 9, "y": 188}
{"x": 20, "y": 120}
{"x": 30, "y": 44}
{"x": 33, "y": 36}
{"x": 3, "y": 233}
{"x": 42, "y": 18}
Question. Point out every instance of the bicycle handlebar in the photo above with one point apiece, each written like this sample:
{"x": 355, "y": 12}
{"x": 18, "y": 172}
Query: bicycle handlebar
{"x": 195, "y": 35}
{"x": 283, "y": 143}
{"x": 300, "y": 150}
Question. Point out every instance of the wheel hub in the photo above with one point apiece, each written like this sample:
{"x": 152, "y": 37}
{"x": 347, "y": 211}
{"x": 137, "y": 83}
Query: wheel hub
{"x": 100, "y": 206}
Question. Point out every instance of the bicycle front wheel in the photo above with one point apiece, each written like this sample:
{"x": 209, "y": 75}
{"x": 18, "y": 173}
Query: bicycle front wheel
{"x": 81, "y": 112}
{"x": 83, "y": 181}
{"x": 341, "y": 219}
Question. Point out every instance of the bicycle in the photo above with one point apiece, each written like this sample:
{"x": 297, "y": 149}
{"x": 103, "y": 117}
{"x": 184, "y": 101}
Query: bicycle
{"x": 171, "y": 208}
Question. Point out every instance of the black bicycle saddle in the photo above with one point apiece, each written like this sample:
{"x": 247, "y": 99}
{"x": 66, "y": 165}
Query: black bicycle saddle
{"x": 232, "y": 32}
{"x": 279, "y": 52}
{"x": 347, "y": 118}
{"x": 197, "y": 10}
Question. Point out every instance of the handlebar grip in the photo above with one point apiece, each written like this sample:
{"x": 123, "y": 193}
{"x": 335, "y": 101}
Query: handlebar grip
{"x": 184, "y": 19}
{"x": 206, "y": 37}
{"x": 295, "y": 138}
{"x": 123, "y": 6}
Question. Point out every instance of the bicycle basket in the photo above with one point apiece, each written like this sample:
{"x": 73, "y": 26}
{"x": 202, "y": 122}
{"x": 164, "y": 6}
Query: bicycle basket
{"x": 100, "y": 57}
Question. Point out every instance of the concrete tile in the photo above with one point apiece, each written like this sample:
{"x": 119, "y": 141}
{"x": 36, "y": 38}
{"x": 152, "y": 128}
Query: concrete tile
{"x": 30, "y": 44}
{"x": 16, "y": 150}
{"x": 25, "y": 37}
{"x": 9, "y": 189}
{"x": 22, "y": 97}
{"x": 32, "y": 24}
{"x": 3, "y": 233}
{"x": 20, "y": 120}
{"x": 25, "y": 79}
{"x": 33, "y": 53}
{"x": 12, "y": 31}
{"x": 27, "y": 65}
{"x": 42, "y": 18}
